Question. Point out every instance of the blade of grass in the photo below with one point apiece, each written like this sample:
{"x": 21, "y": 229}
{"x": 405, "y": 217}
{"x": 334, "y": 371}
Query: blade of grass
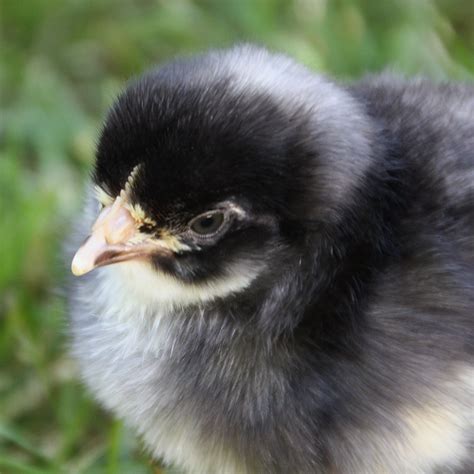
{"x": 13, "y": 436}
{"x": 115, "y": 441}
{"x": 16, "y": 467}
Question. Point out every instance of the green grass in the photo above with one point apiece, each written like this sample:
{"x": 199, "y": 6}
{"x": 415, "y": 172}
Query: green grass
{"x": 62, "y": 62}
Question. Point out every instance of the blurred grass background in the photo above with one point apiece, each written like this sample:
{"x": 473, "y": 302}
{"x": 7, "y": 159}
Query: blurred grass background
{"x": 61, "y": 64}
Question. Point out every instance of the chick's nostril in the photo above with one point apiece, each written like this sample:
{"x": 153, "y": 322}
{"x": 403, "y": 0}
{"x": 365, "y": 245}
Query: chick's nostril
{"x": 120, "y": 228}
{"x": 118, "y": 225}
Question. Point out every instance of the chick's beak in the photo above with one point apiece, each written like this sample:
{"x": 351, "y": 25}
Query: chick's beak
{"x": 114, "y": 238}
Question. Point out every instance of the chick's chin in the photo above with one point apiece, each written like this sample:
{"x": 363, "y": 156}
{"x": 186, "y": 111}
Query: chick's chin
{"x": 167, "y": 282}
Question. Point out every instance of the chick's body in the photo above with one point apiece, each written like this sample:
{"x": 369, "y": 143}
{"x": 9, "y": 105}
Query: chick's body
{"x": 318, "y": 318}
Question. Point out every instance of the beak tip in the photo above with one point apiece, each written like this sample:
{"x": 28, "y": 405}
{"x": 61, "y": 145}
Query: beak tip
{"x": 77, "y": 269}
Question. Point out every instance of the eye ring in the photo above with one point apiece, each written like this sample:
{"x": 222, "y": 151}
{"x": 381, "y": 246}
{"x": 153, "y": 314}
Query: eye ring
{"x": 208, "y": 224}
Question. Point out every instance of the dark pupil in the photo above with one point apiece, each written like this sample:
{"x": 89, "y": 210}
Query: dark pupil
{"x": 207, "y": 222}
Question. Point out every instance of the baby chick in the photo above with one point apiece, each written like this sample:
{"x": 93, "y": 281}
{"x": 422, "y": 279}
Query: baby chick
{"x": 278, "y": 271}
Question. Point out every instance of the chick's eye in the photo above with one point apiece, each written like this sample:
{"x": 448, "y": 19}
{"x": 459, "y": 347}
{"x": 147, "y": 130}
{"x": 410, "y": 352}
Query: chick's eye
{"x": 207, "y": 224}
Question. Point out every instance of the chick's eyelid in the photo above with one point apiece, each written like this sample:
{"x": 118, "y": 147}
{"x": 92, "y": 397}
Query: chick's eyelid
{"x": 209, "y": 214}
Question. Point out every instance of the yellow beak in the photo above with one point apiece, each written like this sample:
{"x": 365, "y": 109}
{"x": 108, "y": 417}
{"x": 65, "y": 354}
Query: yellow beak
{"x": 114, "y": 238}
